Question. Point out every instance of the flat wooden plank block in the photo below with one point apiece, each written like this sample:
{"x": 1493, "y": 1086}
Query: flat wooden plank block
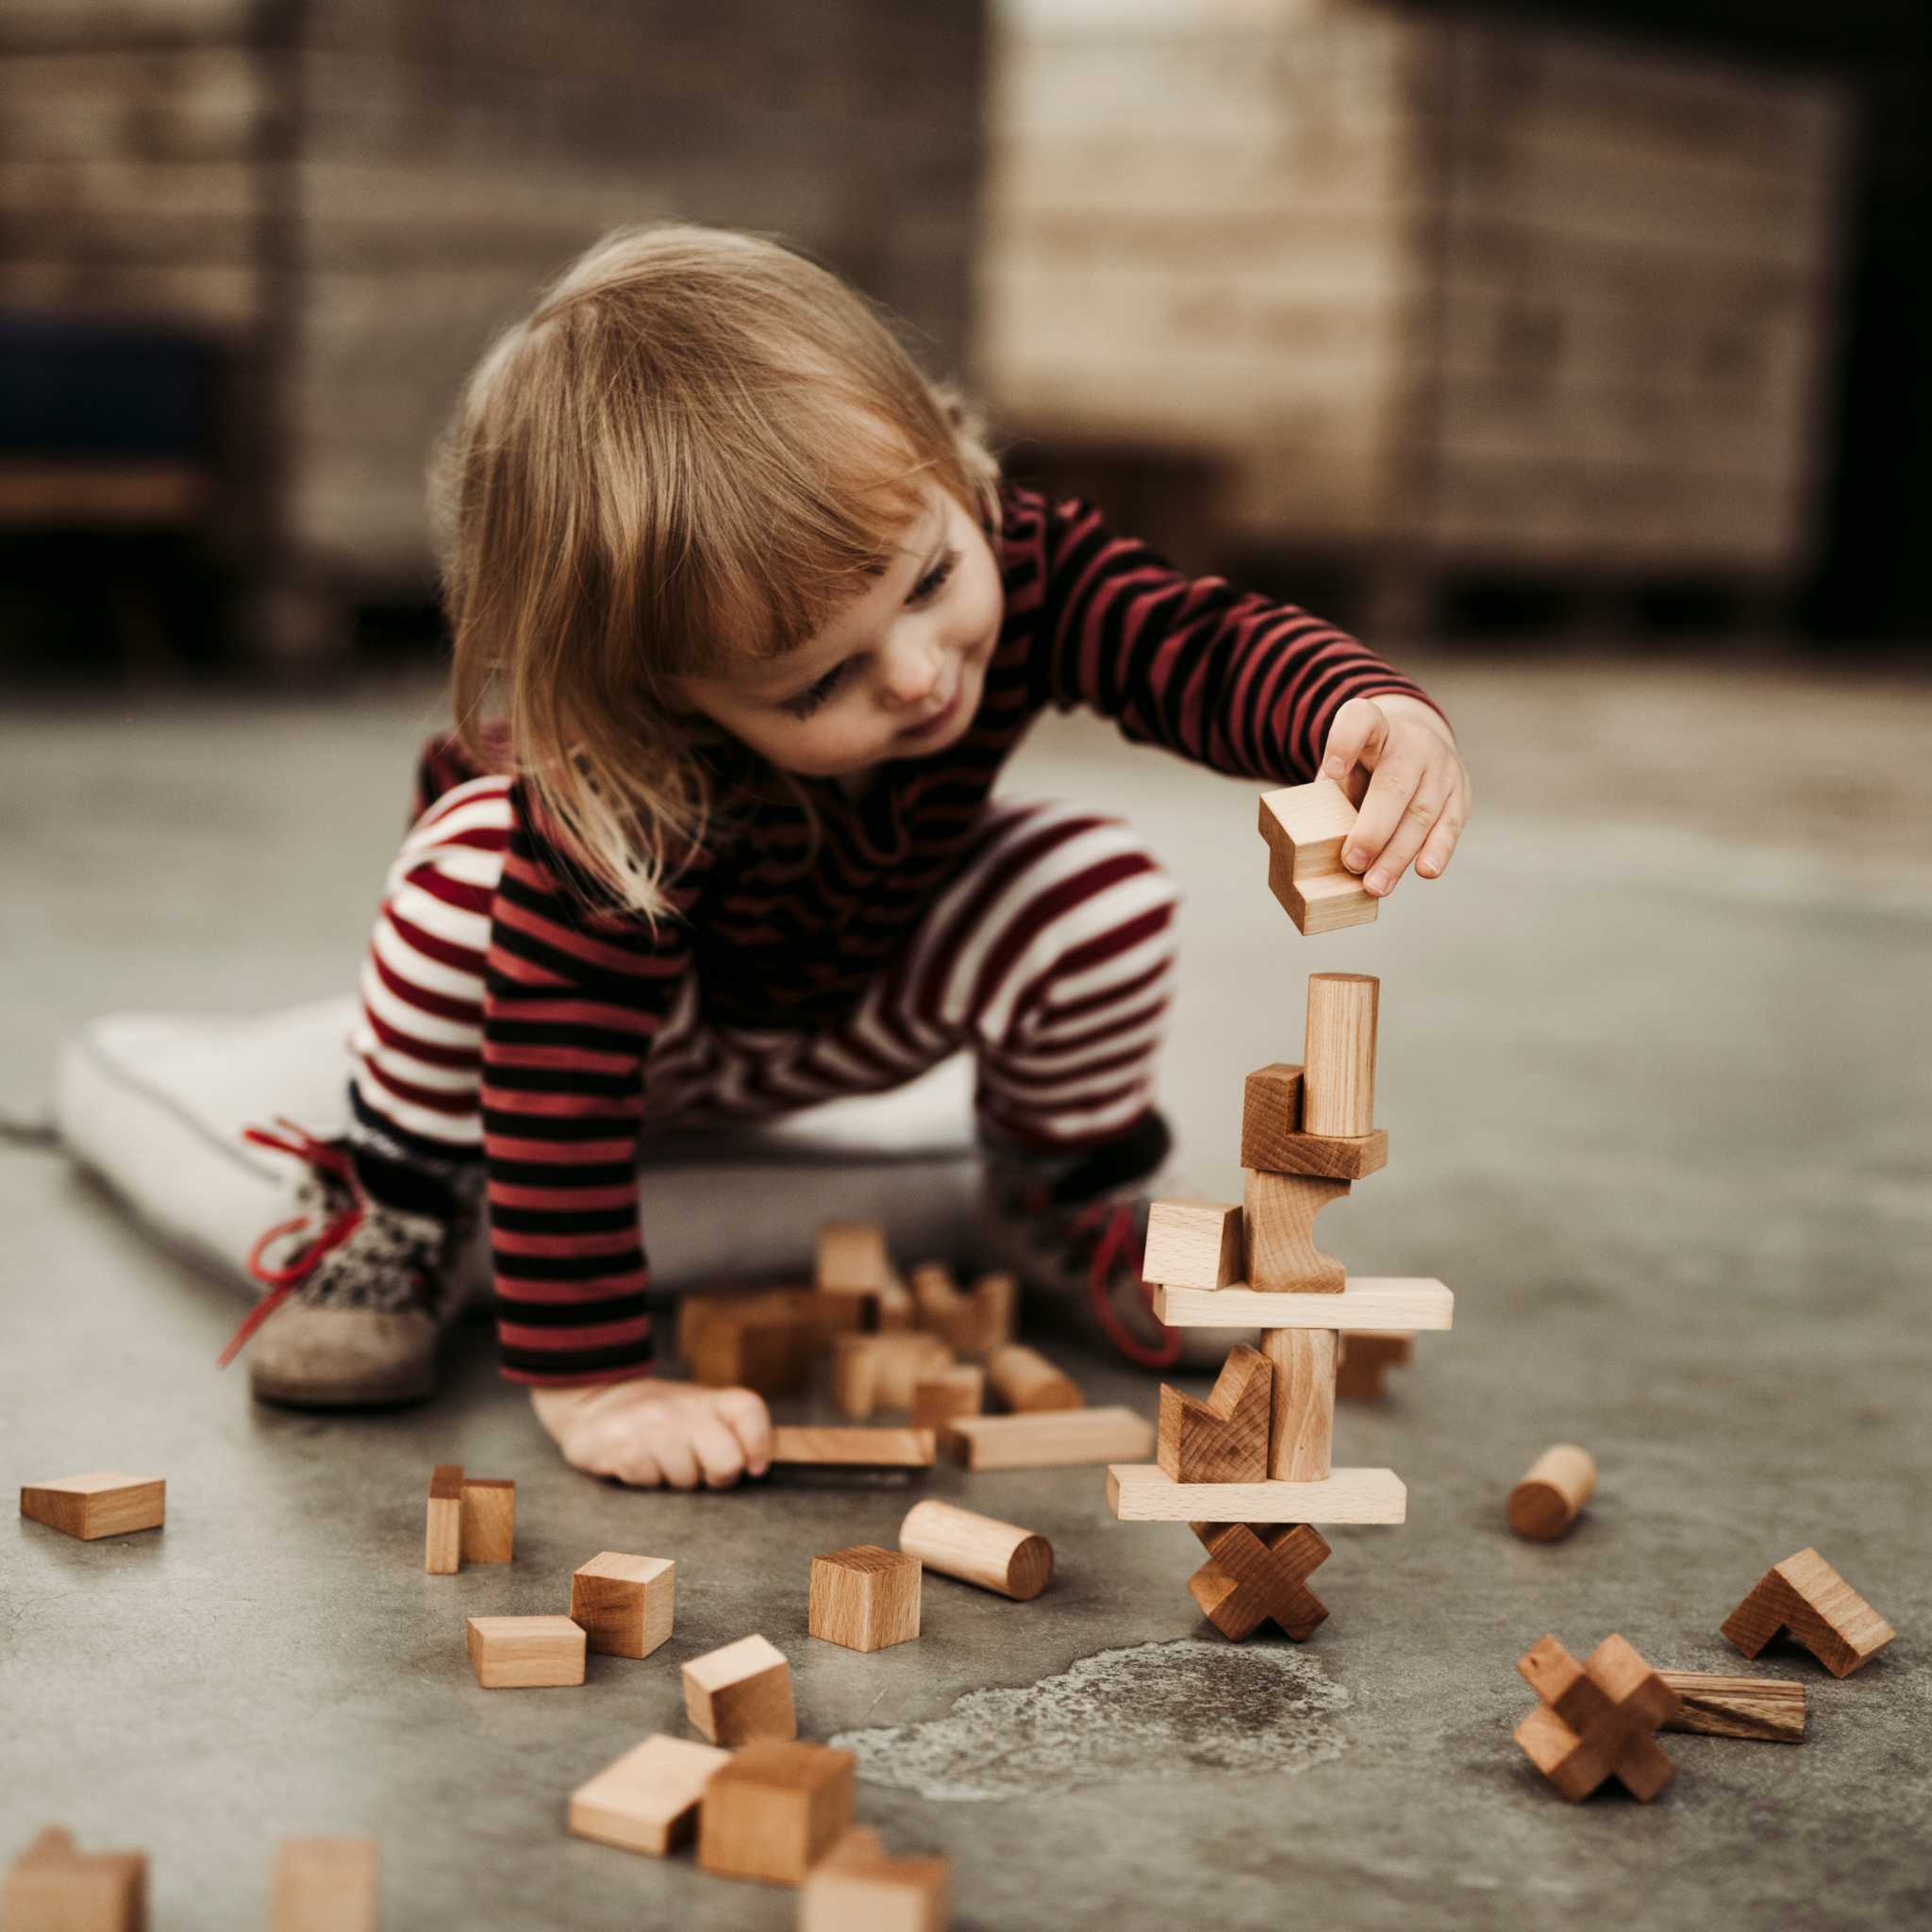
{"x": 1770, "y": 1708}
{"x": 1051, "y": 1438}
{"x": 1143, "y": 1493}
{"x": 102, "y": 1502}
{"x": 443, "y": 1536}
{"x": 487, "y": 1521}
{"x": 647, "y": 1800}
{"x": 856, "y": 1448}
{"x": 1376, "y": 1303}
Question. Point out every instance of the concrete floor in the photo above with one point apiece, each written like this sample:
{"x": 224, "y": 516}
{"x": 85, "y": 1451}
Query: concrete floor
{"x": 1653, "y": 1064}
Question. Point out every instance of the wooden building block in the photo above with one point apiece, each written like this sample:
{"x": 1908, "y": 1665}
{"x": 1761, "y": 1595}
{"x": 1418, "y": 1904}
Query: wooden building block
{"x": 1368, "y": 1303}
{"x": 864, "y": 1597}
{"x": 1362, "y": 1366}
{"x": 774, "y": 1811}
{"x": 996, "y": 1296}
{"x": 626, "y": 1604}
{"x": 1278, "y": 1228}
{"x": 1806, "y": 1596}
{"x": 1194, "y": 1244}
{"x": 1557, "y": 1483}
{"x": 893, "y": 1309}
{"x": 1027, "y": 1383}
{"x": 853, "y": 1448}
{"x": 1596, "y": 1719}
{"x": 1339, "y": 1059}
{"x": 770, "y": 1355}
{"x": 857, "y": 1888}
{"x": 943, "y": 1310}
{"x": 1223, "y": 1440}
{"x": 1145, "y": 1493}
{"x": 104, "y": 1502}
{"x": 487, "y": 1521}
{"x": 326, "y": 1884}
{"x": 1770, "y": 1708}
{"x": 1256, "y": 1577}
{"x": 442, "y": 1543}
{"x": 524, "y": 1653}
{"x": 56, "y": 1887}
{"x": 1053, "y": 1439}
{"x": 955, "y": 1392}
{"x": 999, "y": 1557}
{"x": 852, "y": 1259}
{"x": 1273, "y": 1143}
{"x": 647, "y": 1800}
{"x": 875, "y": 1371}
{"x": 1305, "y": 827}
{"x": 741, "y": 1693}
{"x": 1301, "y": 1416}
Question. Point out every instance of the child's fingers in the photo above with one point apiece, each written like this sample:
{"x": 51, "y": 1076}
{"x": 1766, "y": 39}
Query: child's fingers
{"x": 1420, "y": 817}
{"x": 1358, "y": 736}
{"x": 677, "y": 1459}
{"x": 720, "y": 1454}
{"x": 748, "y": 1419}
{"x": 1433, "y": 862}
{"x": 1389, "y": 797}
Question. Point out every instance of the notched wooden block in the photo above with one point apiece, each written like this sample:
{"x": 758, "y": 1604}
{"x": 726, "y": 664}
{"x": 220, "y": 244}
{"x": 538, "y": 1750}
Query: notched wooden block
{"x": 102, "y": 1502}
{"x": 1223, "y": 1440}
{"x": 1597, "y": 1718}
{"x": 524, "y": 1653}
{"x": 647, "y": 1800}
{"x": 1278, "y": 1228}
{"x": 1363, "y": 1367}
{"x": 487, "y": 1521}
{"x": 857, "y": 1888}
{"x": 56, "y": 1887}
{"x": 1806, "y": 1596}
{"x": 1195, "y": 1243}
{"x": 626, "y": 1604}
{"x": 865, "y": 1597}
{"x": 1305, "y": 827}
{"x": 741, "y": 1693}
{"x": 442, "y": 1541}
{"x": 1254, "y": 1577}
{"x": 326, "y": 1884}
{"x": 1273, "y": 1142}
{"x": 774, "y": 1811}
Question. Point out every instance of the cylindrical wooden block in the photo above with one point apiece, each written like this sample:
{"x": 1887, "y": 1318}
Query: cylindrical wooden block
{"x": 1026, "y": 1381}
{"x": 999, "y": 1557}
{"x": 1301, "y": 1423}
{"x": 1545, "y": 1504}
{"x": 1339, "y": 1058}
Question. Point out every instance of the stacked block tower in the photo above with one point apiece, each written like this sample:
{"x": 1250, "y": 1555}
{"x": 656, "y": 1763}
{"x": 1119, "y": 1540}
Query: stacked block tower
{"x": 1250, "y": 1470}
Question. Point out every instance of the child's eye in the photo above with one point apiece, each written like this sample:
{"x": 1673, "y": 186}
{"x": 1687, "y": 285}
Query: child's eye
{"x": 930, "y": 585}
{"x": 809, "y": 700}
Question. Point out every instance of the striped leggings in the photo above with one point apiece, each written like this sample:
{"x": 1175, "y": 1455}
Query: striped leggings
{"x": 1049, "y": 955}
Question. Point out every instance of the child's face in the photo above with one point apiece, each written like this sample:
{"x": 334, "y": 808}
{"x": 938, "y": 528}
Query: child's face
{"x": 896, "y": 674}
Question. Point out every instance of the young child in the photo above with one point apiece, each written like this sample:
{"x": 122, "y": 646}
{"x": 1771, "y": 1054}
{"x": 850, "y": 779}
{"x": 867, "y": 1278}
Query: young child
{"x": 745, "y": 624}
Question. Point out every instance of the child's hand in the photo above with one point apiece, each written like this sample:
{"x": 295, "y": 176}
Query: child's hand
{"x": 1417, "y": 802}
{"x": 648, "y": 1432}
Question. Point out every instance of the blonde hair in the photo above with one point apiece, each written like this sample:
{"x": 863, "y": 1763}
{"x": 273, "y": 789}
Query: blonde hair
{"x": 698, "y": 446}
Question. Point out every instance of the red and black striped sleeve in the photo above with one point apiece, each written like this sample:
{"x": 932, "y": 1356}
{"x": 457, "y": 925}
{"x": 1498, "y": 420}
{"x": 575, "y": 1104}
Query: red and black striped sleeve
{"x": 1227, "y": 677}
{"x": 574, "y": 998}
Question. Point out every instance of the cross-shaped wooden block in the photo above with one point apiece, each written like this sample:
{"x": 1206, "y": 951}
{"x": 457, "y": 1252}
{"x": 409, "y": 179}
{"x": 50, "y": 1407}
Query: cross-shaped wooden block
{"x": 1596, "y": 1719}
{"x": 1251, "y": 1578}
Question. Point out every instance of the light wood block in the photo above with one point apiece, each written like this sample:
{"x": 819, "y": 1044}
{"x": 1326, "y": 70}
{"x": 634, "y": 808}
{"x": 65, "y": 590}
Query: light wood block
{"x": 326, "y": 1884}
{"x": 1272, "y": 1144}
{"x": 1769, "y": 1709}
{"x": 442, "y": 1543}
{"x": 1252, "y": 1579}
{"x": 853, "y": 1448}
{"x": 1339, "y": 1059}
{"x": 857, "y": 1888}
{"x": 895, "y": 1308}
{"x": 1027, "y": 1383}
{"x": 1223, "y": 1440}
{"x": 997, "y": 1298}
{"x": 648, "y": 1799}
{"x": 741, "y": 1693}
{"x": 1055, "y": 1438}
{"x": 1596, "y": 1719}
{"x": 56, "y": 1887}
{"x": 1806, "y": 1596}
{"x": 999, "y": 1557}
{"x": 1279, "y": 1226}
{"x": 487, "y": 1521}
{"x": 943, "y": 1310}
{"x": 774, "y": 1811}
{"x": 1369, "y": 1304}
{"x": 1305, "y": 827}
{"x": 1301, "y": 1418}
{"x": 852, "y": 1258}
{"x": 1362, "y": 1366}
{"x": 524, "y": 1653}
{"x": 1557, "y": 1483}
{"x": 955, "y": 1392}
{"x": 1145, "y": 1493}
{"x": 626, "y": 1604}
{"x": 102, "y": 1502}
{"x": 1195, "y": 1243}
{"x": 864, "y": 1597}
{"x": 875, "y": 1371}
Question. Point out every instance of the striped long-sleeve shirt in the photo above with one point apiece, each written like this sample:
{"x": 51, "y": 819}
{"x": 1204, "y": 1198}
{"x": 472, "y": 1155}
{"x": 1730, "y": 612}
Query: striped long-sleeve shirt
{"x": 782, "y": 933}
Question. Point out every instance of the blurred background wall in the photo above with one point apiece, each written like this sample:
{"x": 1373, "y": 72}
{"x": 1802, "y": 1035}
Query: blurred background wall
{"x": 1599, "y": 317}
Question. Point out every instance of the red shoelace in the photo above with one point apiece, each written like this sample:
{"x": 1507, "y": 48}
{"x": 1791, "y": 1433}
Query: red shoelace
{"x": 1116, "y": 1241}
{"x": 282, "y": 1282}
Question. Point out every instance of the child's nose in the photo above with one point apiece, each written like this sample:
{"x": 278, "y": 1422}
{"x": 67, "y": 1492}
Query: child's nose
{"x": 913, "y": 672}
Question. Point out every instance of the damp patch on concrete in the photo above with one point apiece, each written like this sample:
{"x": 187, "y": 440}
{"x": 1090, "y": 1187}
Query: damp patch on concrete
{"x": 1119, "y": 1717}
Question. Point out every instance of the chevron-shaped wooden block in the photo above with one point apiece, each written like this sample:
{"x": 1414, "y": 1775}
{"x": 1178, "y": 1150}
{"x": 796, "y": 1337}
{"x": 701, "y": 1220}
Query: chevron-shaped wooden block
{"x": 1223, "y": 1440}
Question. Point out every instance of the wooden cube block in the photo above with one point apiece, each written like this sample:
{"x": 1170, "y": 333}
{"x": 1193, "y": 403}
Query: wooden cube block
{"x": 625, "y": 1603}
{"x": 54, "y": 1886}
{"x": 442, "y": 1541}
{"x": 852, "y": 1258}
{"x": 326, "y": 1884}
{"x": 1194, "y": 1244}
{"x": 774, "y": 1811}
{"x": 647, "y": 1800}
{"x": 489, "y": 1520}
{"x": 740, "y": 1693}
{"x": 864, "y": 1597}
{"x": 104, "y": 1502}
{"x": 857, "y": 1888}
{"x": 524, "y": 1653}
